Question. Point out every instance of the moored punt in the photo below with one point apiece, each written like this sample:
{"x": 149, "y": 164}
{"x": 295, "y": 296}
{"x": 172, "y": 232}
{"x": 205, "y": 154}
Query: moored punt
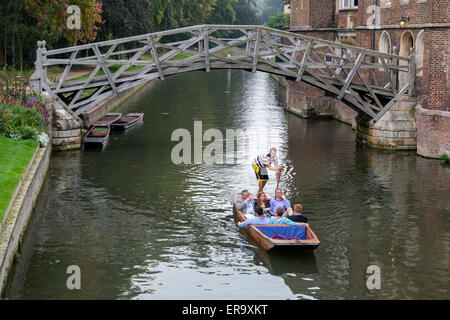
{"x": 128, "y": 121}
{"x": 97, "y": 136}
{"x": 262, "y": 234}
{"x": 108, "y": 118}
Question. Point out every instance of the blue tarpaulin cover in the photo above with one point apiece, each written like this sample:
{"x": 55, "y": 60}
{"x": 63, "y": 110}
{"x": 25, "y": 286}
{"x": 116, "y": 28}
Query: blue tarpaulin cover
{"x": 291, "y": 232}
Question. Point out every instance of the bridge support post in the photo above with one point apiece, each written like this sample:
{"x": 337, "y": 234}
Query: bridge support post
{"x": 412, "y": 74}
{"x": 66, "y": 130}
{"x": 396, "y": 130}
{"x": 38, "y": 76}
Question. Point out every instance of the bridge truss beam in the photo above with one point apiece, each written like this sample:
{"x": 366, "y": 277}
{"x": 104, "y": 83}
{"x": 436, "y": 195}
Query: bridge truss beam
{"x": 366, "y": 80}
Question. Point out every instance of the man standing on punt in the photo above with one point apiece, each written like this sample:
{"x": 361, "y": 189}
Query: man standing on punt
{"x": 260, "y": 165}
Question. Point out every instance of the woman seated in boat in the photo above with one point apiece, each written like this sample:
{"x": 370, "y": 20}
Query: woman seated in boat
{"x": 259, "y": 219}
{"x": 261, "y": 201}
{"x": 279, "y": 219}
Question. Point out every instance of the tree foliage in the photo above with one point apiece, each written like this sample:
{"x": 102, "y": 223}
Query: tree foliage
{"x": 270, "y": 8}
{"x": 246, "y": 12}
{"x": 123, "y": 18}
{"x": 51, "y": 18}
{"x": 279, "y": 21}
{"x": 24, "y": 22}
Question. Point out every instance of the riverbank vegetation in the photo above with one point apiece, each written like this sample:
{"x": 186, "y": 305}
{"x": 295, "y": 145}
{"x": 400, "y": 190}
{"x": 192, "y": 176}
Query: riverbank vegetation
{"x": 445, "y": 159}
{"x": 23, "y": 120}
{"x": 24, "y": 22}
{"x": 24, "y": 123}
{"x": 280, "y": 21}
{"x": 14, "y": 158}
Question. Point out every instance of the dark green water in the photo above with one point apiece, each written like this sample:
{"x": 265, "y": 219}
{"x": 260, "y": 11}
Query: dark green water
{"x": 140, "y": 227}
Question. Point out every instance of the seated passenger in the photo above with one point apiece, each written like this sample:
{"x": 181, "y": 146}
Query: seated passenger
{"x": 259, "y": 219}
{"x": 280, "y": 200}
{"x": 298, "y": 216}
{"x": 245, "y": 204}
{"x": 279, "y": 219}
{"x": 261, "y": 201}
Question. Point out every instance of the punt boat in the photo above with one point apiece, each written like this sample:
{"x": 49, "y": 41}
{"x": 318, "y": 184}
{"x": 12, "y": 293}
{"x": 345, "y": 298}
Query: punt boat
{"x": 108, "y": 118}
{"x": 128, "y": 121}
{"x": 97, "y": 136}
{"x": 264, "y": 235}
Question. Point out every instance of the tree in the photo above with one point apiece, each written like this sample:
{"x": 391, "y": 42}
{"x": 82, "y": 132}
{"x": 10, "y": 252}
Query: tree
{"x": 279, "y": 21}
{"x": 124, "y": 18}
{"x": 246, "y": 12}
{"x": 270, "y": 8}
{"x": 223, "y": 12}
{"x": 51, "y": 18}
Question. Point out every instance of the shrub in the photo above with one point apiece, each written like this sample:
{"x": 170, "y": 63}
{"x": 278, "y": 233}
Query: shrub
{"x": 27, "y": 132}
{"x": 23, "y": 120}
{"x": 445, "y": 159}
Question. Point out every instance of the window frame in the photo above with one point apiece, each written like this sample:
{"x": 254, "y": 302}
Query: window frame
{"x": 350, "y": 6}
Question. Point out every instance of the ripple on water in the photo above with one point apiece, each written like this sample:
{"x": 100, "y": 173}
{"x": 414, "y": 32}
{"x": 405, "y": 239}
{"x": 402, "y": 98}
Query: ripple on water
{"x": 141, "y": 227}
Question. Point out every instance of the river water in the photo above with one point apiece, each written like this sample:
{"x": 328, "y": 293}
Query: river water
{"x": 141, "y": 227}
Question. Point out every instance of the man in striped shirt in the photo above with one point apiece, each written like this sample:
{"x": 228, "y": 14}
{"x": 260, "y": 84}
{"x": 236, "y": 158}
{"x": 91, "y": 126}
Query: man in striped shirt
{"x": 260, "y": 165}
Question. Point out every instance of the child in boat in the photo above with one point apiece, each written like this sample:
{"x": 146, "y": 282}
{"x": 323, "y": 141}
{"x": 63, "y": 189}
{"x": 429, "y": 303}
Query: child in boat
{"x": 279, "y": 219}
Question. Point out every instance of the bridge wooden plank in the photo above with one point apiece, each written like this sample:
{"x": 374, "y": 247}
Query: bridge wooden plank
{"x": 371, "y": 91}
{"x": 388, "y": 75}
{"x": 256, "y": 49}
{"x": 173, "y": 53}
{"x": 342, "y": 81}
{"x": 206, "y": 42}
{"x": 390, "y": 104}
{"x": 67, "y": 69}
{"x": 304, "y": 60}
{"x": 106, "y": 69}
{"x": 351, "y": 75}
{"x": 155, "y": 57}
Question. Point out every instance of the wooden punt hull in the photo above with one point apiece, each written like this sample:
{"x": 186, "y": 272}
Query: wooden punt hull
{"x": 108, "y": 118}
{"x": 97, "y": 136}
{"x": 128, "y": 121}
{"x": 310, "y": 243}
{"x": 286, "y": 261}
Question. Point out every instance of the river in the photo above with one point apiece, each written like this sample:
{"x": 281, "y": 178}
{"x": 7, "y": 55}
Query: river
{"x": 141, "y": 227}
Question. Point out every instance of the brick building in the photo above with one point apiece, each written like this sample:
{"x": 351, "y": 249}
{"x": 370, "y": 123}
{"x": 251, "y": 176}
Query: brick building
{"x": 401, "y": 27}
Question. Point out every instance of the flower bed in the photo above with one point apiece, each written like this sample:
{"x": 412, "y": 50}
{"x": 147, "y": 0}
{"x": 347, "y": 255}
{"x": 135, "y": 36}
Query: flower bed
{"x": 24, "y": 120}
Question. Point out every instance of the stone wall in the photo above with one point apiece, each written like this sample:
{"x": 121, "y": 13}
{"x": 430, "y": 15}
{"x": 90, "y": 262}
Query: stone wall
{"x": 66, "y": 130}
{"x": 427, "y": 18}
{"x": 433, "y": 132}
{"x": 21, "y": 211}
{"x": 396, "y": 130}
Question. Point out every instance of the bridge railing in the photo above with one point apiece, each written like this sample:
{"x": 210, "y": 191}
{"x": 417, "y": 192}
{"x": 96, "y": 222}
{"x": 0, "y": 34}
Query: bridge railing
{"x": 368, "y": 81}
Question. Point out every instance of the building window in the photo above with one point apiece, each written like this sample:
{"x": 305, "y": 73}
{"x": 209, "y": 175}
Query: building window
{"x": 349, "y": 4}
{"x": 384, "y": 45}
{"x": 419, "y": 53}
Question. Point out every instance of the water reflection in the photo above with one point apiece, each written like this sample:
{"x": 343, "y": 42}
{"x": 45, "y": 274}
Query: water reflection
{"x": 141, "y": 227}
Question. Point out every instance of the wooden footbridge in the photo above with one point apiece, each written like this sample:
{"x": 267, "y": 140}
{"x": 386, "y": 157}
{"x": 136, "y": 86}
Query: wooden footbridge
{"x": 367, "y": 81}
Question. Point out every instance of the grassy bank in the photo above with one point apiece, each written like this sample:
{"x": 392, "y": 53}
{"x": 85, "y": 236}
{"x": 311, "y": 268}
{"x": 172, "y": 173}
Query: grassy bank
{"x": 14, "y": 158}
